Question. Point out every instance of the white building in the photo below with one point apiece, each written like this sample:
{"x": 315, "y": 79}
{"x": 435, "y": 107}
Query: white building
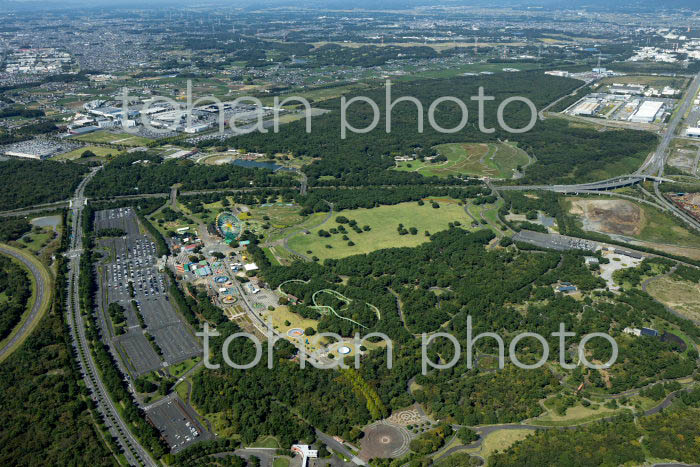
{"x": 693, "y": 132}
{"x": 305, "y": 452}
{"x": 633, "y": 331}
{"x": 26, "y": 155}
{"x": 647, "y": 112}
{"x": 586, "y": 107}
{"x": 196, "y": 128}
{"x": 626, "y": 89}
{"x": 106, "y": 123}
{"x": 668, "y": 91}
{"x": 179, "y": 154}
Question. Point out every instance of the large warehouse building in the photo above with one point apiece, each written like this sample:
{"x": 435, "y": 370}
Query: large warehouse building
{"x": 586, "y": 107}
{"x": 33, "y": 149}
{"x": 27, "y": 155}
{"x": 647, "y": 112}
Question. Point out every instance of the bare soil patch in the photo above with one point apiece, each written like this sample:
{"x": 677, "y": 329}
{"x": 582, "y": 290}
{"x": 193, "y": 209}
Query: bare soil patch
{"x": 618, "y": 217}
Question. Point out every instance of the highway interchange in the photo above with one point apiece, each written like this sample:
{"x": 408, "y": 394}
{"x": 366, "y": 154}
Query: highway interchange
{"x": 651, "y": 170}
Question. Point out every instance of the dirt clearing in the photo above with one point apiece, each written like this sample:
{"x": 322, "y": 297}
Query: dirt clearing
{"x": 611, "y": 216}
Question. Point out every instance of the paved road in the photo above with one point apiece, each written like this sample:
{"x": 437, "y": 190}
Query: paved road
{"x": 655, "y": 165}
{"x": 338, "y": 447}
{"x": 61, "y": 204}
{"x": 656, "y": 204}
{"x": 540, "y": 114}
{"x": 487, "y": 430}
{"x": 304, "y": 182}
{"x": 265, "y": 455}
{"x": 42, "y": 293}
{"x": 601, "y": 185}
{"x": 484, "y": 431}
{"x": 34, "y": 209}
{"x": 652, "y": 169}
{"x": 682, "y": 214}
{"x": 133, "y": 451}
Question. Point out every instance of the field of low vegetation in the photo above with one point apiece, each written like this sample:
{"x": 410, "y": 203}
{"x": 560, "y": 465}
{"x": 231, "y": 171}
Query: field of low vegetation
{"x": 500, "y": 160}
{"x": 404, "y": 224}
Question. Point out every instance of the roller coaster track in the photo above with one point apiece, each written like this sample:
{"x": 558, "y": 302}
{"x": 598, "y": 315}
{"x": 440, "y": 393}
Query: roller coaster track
{"x": 325, "y": 308}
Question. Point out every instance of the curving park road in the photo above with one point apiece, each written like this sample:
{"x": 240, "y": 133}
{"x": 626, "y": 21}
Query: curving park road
{"x": 485, "y": 430}
{"x": 41, "y": 300}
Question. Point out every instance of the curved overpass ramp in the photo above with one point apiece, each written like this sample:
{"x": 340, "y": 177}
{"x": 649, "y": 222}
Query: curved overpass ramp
{"x": 42, "y": 299}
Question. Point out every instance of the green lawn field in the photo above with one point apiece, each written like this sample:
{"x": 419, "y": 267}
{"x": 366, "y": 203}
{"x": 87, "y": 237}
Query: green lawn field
{"x": 383, "y": 222}
{"x": 662, "y": 227}
{"x": 37, "y": 240}
{"x": 482, "y": 160}
{"x": 123, "y": 139}
{"x": 99, "y": 151}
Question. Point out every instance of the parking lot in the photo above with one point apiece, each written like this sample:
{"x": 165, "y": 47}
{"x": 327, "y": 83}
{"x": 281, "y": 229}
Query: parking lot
{"x": 177, "y": 423}
{"x": 176, "y": 343}
{"x": 140, "y": 356}
{"x": 132, "y": 270}
{"x": 120, "y": 218}
{"x": 134, "y": 262}
{"x": 554, "y": 241}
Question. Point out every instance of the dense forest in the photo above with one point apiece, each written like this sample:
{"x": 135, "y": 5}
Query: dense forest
{"x": 15, "y": 292}
{"x": 671, "y": 434}
{"x": 437, "y": 285}
{"x": 18, "y": 111}
{"x": 46, "y": 414}
{"x": 563, "y": 153}
{"x": 286, "y": 401}
{"x": 12, "y": 228}
{"x": 44, "y": 411}
{"x": 141, "y": 172}
{"x": 487, "y": 398}
{"x": 28, "y": 182}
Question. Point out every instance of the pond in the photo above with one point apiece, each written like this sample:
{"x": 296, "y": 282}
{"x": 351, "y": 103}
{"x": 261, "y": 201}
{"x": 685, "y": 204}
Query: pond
{"x": 49, "y": 221}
